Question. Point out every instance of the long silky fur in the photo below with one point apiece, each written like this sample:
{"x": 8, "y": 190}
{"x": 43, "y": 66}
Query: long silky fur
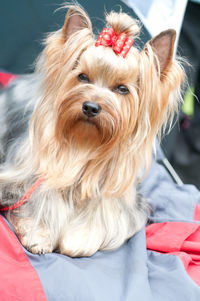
{"x": 88, "y": 200}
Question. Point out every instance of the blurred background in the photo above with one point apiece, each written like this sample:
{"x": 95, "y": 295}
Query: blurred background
{"x": 23, "y": 25}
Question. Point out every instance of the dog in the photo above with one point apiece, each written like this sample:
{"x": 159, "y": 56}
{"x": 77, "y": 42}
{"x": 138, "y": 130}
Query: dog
{"x": 77, "y": 135}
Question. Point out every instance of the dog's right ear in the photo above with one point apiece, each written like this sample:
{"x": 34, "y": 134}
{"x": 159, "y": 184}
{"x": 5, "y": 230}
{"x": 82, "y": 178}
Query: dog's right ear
{"x": 163, "y": 47}
{"x": 76, "y": 19}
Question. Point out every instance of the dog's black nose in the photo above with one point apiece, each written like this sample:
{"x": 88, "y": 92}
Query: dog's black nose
{"x": 91, "y": 109}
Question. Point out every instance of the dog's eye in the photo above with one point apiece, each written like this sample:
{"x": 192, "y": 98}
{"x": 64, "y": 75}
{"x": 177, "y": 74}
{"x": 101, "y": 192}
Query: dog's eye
{"x": 83, "y": 78}
{"x": 121, "y": 89}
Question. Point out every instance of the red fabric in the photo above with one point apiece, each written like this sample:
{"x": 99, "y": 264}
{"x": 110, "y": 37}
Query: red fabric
{"x": 5, "y": 78}
{"x": 177, "y": 238}
{"x": 197, "y": 213}
{"x": 18, "y": 279}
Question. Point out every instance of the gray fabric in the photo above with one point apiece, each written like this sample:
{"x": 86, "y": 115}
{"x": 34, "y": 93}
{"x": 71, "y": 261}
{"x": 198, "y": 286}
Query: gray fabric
{"x": 169, "y": 201}
{"x": 118, "y": 275}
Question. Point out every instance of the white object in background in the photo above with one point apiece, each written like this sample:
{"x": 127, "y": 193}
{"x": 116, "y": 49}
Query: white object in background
{"x": 159, "y": 15}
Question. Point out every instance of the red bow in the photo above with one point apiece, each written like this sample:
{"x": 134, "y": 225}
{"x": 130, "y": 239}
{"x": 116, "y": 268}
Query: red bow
{"x": 121, "y": 43}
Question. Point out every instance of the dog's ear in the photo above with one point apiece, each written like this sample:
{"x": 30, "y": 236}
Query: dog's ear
{"x": 75, "y": 20}
{"x": 163, "y": 48}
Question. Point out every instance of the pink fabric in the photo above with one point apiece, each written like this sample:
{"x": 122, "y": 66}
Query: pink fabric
{"x": 177, "y": 238}
{"x": 18, "y": 279}
{"x": 5, "y": 78}
{"x": 197, "y": 213}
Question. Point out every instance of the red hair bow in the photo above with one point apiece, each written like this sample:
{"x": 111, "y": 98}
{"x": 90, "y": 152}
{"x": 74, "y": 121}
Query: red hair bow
{"x": 121, "y": 43}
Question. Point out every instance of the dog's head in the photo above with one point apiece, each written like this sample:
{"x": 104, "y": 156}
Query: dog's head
{"x": 101, "y": 99}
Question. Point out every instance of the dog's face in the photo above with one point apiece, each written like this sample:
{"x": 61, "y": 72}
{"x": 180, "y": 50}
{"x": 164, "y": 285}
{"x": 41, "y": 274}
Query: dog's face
{"x": 101, "y": 104}
{"x": 102, "y": 97}
{"x": 100, "y": 111}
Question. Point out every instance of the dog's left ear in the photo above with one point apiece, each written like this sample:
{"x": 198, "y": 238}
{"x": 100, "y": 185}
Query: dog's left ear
{"x": 75, "y": 20}
{"x": 163, "y": 48}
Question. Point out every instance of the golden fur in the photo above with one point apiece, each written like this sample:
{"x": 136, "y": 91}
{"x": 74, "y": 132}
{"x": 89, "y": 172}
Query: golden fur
{"x": 88, "y": 199}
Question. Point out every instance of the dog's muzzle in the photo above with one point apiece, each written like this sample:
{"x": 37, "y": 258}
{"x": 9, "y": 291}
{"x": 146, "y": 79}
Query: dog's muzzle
{"x": 91, "y": 109}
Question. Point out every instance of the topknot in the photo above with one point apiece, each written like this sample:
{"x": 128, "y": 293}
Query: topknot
{"x": 121, "y": 22}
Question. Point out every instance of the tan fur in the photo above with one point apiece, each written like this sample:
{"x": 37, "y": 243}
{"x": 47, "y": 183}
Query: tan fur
{"x": 88, "y": 200}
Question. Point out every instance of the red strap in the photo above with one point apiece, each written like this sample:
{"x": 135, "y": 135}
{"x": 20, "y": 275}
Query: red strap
{"x": 25, "y": 197}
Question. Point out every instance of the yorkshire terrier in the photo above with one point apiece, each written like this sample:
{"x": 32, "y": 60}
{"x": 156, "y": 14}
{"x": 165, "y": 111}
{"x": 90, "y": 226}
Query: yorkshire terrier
{"x": 77, "y": 135}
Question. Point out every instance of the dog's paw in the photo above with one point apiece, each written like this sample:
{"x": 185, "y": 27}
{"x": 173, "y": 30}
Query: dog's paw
{"x": 37, "y": 249}
{"x": 37, "y": 245}
{"x": 79, "y": 243}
